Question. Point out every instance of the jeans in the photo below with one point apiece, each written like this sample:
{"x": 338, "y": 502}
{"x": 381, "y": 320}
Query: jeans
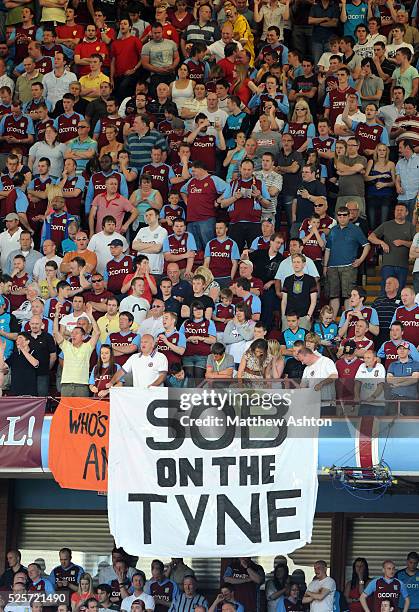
{"x": 42, "y": 383}
{"x": 397, "y": 271}
{"x": 318, "y": 48}
{"x": 284, "y": 203}
{"x": 270, "y": 303}
{"x": 74, "y": 390}
{"x": 378, "y": 210}
{"x": 203, "y": 232}
{"x": 125, "y": 85}
{"x": 243, "y": 233}
{"x": 411, "y": 204}
{"x": 301, "y": 38}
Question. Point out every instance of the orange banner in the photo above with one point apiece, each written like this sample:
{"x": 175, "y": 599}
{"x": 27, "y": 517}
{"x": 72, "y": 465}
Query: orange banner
{"x": 78, "y": 444}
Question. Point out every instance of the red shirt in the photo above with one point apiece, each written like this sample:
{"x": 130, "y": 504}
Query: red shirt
{"x": 117, "y": 207}
{"x": 147, "y": 295}
{"x": 68, "y": 31}
{"x": 228, "y": 69}
{"x": 127, "y": 54}
{"x": 85, "y": 49}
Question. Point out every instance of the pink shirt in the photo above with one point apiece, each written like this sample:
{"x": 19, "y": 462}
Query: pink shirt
{"x": 117, "y": 207}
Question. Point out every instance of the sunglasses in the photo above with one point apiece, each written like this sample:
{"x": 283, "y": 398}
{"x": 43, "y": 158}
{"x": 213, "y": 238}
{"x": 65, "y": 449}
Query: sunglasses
{"x": 96, "y": 280}
{"x": 343, "y": 214}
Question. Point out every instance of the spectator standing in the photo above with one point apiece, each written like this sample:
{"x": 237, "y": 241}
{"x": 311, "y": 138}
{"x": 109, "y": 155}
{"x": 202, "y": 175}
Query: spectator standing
{"x": 350, "y": 169}
{"x": 159, "y": 57}
{"x": 340, "y": 258}
{"x": 75, "y": 375}
{"x": 111, "y": 203}
{"x": 407, "y": 175}
{"x": 385, "y": 306}
{"x": 247, "y": 577}
{"x": 359, "y": 580}
{"x": 321, "y": 590}
{"x": 189, "y": 598}
{"x": 149, "y": 369}
{"x": 125, "y": 60}
{"x": 410, "y": 576}
{"x": 299, "y": 294}
{"x": 395, "y": 237}
{"x": 141, "y": 140}
{"x": 385, "y": 587}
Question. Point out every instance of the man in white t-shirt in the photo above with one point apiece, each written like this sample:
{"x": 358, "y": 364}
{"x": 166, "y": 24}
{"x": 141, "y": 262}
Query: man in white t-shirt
{"x": 369, "y": 389}
{"x": 138, "y": 582}
{"x": 149, "y": 241}
{"x": 70, "y": 321}
{"x": 149, "y": 368}
{"x": 355, "y": 114}
{"x": 49, "y": 249}
{"x": 321, "y": 590}
{"x": 99, "y": 243}
{"x": 135, "y": 303}
{"x": 214, "y": 113}
{"x": 319, "y": 374}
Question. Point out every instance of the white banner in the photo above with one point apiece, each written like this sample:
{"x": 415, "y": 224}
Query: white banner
{"x": 222, "y": 481}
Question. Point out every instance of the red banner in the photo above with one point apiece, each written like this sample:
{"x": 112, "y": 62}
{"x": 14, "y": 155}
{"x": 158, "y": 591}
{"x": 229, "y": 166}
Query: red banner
{"x": 21, "y": 422}
{"x": 78, "y": 444}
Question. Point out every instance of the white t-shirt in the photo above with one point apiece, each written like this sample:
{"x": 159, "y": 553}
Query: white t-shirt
{"x": 219, "y": 114}
{"x": 147, "y": 599}
{"x": 99, "y": 244}
{"x": 151, "y": 326}
{"x": 324, "y": 61}
{"x": 39, "y": 273}
{"x": 326, "y": 604}
{"x": 358, "y": 116}
{"x": 393, "y": 48}
{"x": 146, "y": 369}
{"x": 69, "y": 322}
{"x": 217, "y": 49}
{"x": 157, "y": 235}
{"x": 137, "y": 306}
{"x": 8, "y": 244}
{"x": 370, "y": 378}
{"x": 320, "y": 370}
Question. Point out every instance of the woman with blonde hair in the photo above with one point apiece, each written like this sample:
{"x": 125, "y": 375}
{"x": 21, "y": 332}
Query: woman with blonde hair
{"x": 313, "y": 342}
{"x": 301, "y": 126}
{"x": 84, "y": 591}
{"x": 380, "y": 176}
{"x": 212, "y": 288}
{"x": 240, "y": 85}
{"x": 278, "y": 362}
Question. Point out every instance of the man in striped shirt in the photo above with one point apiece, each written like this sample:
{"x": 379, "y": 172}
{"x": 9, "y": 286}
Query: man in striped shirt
{"x": 189, "y": 600}
{"x": 141, "y": 141}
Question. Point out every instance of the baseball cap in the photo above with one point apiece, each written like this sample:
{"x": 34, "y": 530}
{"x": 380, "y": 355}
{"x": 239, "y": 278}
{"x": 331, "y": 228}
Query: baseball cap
{"x": 403, "y": 345}
{"x": 349, "y": 348}
{"x": 116, "y": 242}
{"x": 12, "y": 217}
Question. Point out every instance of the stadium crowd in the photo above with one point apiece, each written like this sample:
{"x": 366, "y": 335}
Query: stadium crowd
{"x": 175, "y": 587}
{"x": 196, "y": 191}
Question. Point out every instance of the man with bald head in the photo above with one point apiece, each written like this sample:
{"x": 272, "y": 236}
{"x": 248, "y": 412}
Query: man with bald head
{"x": 217, "y": 47}
{"x": 148, "y": 367}
{"x": 44, "y": 350}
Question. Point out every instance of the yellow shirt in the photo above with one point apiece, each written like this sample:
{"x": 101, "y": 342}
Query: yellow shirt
{"x": 242, "y": 30}
{"x": 88, "y": 82}
{"x": 110, "y": 326}
{"x": 43, "y": 286}
{"x": 76, "y": 367}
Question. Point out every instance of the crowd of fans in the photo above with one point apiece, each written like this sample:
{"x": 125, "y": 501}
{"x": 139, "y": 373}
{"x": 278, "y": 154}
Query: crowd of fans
{"x": 175, "y": 587}
{"x": 199, "y": 191}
